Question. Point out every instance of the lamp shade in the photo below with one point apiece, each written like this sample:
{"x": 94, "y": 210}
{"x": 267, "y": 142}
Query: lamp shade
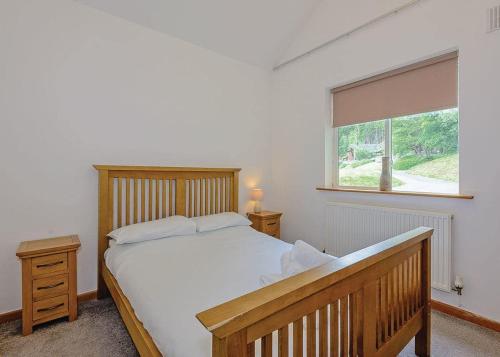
{"x": 256, "y": 194}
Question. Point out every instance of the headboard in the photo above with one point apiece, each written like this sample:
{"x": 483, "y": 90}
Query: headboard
{"x": 134, "y": 194}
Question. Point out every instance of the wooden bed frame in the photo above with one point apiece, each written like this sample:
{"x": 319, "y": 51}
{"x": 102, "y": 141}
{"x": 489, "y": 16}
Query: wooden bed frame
{"x": 369, "y": 303}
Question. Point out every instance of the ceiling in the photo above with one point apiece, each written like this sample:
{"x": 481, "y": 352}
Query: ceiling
{"x": 253, "y": 31}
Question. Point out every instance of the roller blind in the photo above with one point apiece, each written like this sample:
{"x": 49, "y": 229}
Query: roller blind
{"x": 419, "y": 88}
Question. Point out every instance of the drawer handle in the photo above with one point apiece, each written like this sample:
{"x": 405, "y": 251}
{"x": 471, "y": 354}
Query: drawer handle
{"x": 51, "y": 286}
{"x": 49, "y": 264}
{"x": 50, "y": 308}
{"x": 271, "y": 224}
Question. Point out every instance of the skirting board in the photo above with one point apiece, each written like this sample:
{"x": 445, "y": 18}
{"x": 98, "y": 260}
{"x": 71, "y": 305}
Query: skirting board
{"x": 465, "y": 315}
{"x": 17, "y": 314}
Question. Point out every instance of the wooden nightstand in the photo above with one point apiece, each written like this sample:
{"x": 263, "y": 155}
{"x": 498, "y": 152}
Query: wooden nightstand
{"x": 48, "y": 280}
{"x": 266, "y": 222}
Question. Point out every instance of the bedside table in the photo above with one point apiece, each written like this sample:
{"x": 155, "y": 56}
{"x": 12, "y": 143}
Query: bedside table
{"x": 48, "y": 280}
{"x": 266, "y": 222}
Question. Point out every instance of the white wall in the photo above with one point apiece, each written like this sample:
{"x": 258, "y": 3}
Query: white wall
{"x": 300, "y": 115}
{"x": 79, "y": 87}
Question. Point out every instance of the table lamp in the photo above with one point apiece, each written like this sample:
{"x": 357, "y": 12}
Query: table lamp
{"x": 256, "y": 195}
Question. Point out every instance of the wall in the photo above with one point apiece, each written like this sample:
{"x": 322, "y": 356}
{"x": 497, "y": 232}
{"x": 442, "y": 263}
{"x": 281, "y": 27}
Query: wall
{"x": 300, "y": 116}
{"x": 79, "y": 87}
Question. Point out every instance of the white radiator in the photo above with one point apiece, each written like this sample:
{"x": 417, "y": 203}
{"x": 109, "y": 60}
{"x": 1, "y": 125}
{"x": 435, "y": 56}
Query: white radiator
{"x": 351, "y": 227}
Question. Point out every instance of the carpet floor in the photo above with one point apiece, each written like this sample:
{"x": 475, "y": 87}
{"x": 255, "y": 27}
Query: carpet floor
{"x": 99, "y": 331}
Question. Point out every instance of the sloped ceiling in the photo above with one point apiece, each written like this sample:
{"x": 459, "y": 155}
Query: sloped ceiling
{"x": 253, "y": 31}
{"x": 260, "y": 32}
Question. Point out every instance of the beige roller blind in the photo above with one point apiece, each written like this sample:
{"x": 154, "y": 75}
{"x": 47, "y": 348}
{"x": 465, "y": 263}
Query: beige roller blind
{"x": 419, "y": 88}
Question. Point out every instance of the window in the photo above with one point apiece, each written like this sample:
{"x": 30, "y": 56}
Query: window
{"x": 409, "y": 115}
{"x": 423, "y": 148}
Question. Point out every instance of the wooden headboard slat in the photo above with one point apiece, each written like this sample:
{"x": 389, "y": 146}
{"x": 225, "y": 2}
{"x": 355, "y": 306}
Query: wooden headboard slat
{"x": 192, "y": 191}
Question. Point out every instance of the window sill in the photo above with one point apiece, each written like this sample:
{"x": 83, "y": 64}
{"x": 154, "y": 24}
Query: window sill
{"x": 402, "y": 193}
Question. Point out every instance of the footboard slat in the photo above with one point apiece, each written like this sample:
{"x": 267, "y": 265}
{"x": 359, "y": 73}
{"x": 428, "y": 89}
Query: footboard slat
{"x": 267, "y": 346}
{"x": 344, "y": 327}
{"x": 370, "y": 303}
{"x": 383, "y": 310}
{"x": 323, "y": 332}
{"x": 298, "y": 338}
{"x": 283, "y": 342}
{"x": 334, "y": 329}
{"x": 357, "y": 323}
{"x": 251, "y": 349}
{"x": 311, "y": 334}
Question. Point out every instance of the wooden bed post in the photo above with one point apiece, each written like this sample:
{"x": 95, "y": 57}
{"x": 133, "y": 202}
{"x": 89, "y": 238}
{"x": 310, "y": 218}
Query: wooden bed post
{"x": 103, "y": 230}
{"x": 423, "y": 337}
{"x": 234, "y": 345}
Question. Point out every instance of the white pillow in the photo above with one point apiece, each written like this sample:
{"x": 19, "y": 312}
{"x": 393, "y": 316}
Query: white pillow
{"x": 160, "y": 228}
{"x": 219, "y": 221}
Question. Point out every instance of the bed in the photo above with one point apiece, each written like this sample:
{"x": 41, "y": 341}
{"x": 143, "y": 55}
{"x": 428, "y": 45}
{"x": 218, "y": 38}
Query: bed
{"x": 369, "y": 303}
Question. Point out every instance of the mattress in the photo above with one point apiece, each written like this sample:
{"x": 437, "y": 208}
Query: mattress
{"x": 168, "y": 281}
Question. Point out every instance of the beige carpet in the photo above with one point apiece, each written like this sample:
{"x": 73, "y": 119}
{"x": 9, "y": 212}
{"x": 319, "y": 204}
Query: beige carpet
{"x": 99, "y": 331}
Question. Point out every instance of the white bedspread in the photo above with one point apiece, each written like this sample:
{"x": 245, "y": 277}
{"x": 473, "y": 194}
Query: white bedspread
{"x": 168, "y": 281}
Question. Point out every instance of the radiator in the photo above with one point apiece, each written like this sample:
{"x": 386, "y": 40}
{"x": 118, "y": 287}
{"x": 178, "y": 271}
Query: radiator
{"x": 350, "y": 227}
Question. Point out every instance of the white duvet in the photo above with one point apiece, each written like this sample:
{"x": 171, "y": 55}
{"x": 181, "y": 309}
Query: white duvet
{"x": 168, "y": 281}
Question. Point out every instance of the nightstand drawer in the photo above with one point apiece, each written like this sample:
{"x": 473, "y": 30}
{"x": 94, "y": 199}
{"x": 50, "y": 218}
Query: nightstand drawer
{"x": 48, "y": 307}
{"x": 49, "y": 264}
{"x": 271, "y": 227}
{"x": 51, "y": 286}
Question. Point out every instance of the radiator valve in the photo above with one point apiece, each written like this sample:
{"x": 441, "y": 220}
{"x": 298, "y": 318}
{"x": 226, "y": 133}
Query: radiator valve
{"x": 459, "y": 285}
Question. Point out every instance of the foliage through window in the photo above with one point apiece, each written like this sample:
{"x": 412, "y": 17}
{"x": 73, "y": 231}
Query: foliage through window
{"x": 423, "y": 148}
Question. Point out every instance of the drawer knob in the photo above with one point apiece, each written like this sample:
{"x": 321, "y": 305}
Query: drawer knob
{"x": 50, "y": 308}
{"x": 49, "y": 264}
{"x": 50, "y": 286}
{"x": 271, "y": 224}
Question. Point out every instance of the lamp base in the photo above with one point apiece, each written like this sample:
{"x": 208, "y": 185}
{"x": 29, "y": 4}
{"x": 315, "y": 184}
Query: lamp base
{"x": 257, "y": 208}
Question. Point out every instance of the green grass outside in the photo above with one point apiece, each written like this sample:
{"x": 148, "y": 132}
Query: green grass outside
{"x": 367, "y": 175}
{"x": 407, "y": 162}
{"x": 443, "y": 168}
{"x": 366, "y": 181}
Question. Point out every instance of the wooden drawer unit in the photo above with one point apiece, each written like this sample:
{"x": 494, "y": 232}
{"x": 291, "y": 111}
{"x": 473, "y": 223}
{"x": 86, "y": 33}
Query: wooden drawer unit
{"x": 266, "y": 222}
{"x": 48, "y": 280}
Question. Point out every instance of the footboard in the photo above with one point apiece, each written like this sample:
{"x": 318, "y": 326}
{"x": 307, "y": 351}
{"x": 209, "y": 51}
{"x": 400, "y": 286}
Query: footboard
{"x": 368, "y": 303}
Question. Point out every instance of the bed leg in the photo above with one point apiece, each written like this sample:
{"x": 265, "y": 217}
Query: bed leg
{"x": 423, "y": 342}
{"x": 423, "y": 337}
{"x": 102, "y": 289}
